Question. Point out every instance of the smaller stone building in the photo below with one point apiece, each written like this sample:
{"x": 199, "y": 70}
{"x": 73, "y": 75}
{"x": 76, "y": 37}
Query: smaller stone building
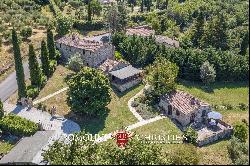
{"x": 146, "y": 31}
{"x": 125, "y": 78}
{"x": 184, "y": 107}
{"x": 93, "y": 53}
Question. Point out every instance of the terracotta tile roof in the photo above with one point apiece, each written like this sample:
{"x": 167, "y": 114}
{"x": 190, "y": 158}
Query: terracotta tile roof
{"x": 184, "y": 102}
{"x": 77, "y": 42}
{"x": 146, "y": 31}
{"x": 141, "y": 31}
{"x": 111, "y": 65}
{"x": 166, "y": 40}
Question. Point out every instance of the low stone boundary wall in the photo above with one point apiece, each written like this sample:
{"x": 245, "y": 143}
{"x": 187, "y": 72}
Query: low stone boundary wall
{"x": 225, "y": 133}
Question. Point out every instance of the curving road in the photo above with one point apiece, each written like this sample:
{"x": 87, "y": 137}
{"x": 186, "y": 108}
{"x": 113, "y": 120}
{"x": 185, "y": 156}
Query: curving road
{"x": 9, "y": 85}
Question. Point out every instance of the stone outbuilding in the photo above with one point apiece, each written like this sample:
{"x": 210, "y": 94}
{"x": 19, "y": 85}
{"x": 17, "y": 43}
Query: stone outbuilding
{"x": 125, "y": 78}
{"x": 184, "y": 107}
{"x": 93, "y": 53}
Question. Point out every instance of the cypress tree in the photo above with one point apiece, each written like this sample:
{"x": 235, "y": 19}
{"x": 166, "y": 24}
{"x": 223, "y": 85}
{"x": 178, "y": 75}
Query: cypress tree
{"x": 142, "y": 5}
{"x": 199, "y": 29}
{"x": 18, "y": 66}
{"x": 45, "y": 59}
{"x": 89, "y": 10}
{"x": 51, "y": 45}
{"x": 35, "y": 71}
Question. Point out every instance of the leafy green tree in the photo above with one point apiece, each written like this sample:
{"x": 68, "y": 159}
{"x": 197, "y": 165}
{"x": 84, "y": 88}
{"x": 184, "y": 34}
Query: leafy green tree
{"x": 190, "y": 135}
{"x": 240, "y": 132}
{"x": 113, "y": 19}
{"x": 45, "y": 59}
{"x": 207, "y": 73}
{"x": 75, "y": 63}
{"x": 96, "y": 7}
{"x": 238, "y": 152}
{"x": 136, "y": 153}
{"x": 216, "y": 33}
{"x": 51, "y": 45}
{"x": 89, "y": 91}
{"x": 35, "y": 71}
{"x": 64, "y": 25}
{"x": 18, "y": 66}
{"x": 1, "y": 110}
{"x": 162, "y": 76}
{"x": 185, "y": 154}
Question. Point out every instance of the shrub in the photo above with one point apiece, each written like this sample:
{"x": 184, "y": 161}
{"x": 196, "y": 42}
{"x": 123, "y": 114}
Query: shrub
{"x": 75, "y": 63}
{"x": 238, "y": 152}
{"x": 190, "y": 136}
{"x": 240, "y": 131}
{"x": 207, "y": 73}
{"x": 32, "y": 92}
{"x": 135, "y": 103}
{"x": 243, "y": 106}
{"x": 17, "y": 126}
{"x": 64, "y": 25}
{"x": 118, "y": 55}
{"x": 26, "y": 32}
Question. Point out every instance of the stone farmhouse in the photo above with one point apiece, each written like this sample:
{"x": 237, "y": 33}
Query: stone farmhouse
{"x": 184, "y": 107}
{"x": 146, "y": 31}
{"x": 93, "y": 53}
{"x": 100, "y": 55}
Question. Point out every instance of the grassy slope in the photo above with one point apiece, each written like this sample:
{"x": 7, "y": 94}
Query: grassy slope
{"x": 224, "y": 93}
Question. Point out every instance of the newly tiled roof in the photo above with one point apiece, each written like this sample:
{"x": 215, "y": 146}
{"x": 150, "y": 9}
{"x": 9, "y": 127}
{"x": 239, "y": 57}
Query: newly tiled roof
{"x": 166, "y": 40}
{"x": 77, "y": 42}
{"x": 141, "y": 31}
{"x": 125, "y": 72}
{"x": 183, "y": 101}
{"x": 28, "y": 147}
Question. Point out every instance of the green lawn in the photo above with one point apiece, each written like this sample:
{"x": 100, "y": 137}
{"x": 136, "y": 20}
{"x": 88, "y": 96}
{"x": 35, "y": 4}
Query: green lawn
{"x": 223, "y": 93}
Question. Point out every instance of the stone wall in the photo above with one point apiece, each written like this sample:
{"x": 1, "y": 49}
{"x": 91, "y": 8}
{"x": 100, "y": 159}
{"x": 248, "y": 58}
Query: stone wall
{"x": 223, "y": 134}
{"x": 128, "y": 85}
{"x": 184, "y": 119}
{"x": 92, "y": 59}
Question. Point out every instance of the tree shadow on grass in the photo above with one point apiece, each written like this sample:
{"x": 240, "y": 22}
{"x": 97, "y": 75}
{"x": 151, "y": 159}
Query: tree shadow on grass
{"x": 121, "y": 94}
{"x": 214, "y": 86}
{"x": 89, "y": 124}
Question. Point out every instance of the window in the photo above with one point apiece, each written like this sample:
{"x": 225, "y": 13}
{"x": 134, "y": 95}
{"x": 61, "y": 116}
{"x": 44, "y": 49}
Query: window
{"x": 83, "y": 52}
{"x": 60, "y": 45}
{"x": 177, "y": 112}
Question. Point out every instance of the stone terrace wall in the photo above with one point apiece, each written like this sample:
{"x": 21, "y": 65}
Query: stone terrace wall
{"x": 127, "y": 85}
{"x": 226, "y": 133}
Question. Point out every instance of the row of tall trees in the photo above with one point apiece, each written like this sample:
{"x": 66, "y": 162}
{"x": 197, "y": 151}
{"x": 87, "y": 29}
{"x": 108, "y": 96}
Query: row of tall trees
{"x": 37, "y": 73}
{"x": 142, "y": 51}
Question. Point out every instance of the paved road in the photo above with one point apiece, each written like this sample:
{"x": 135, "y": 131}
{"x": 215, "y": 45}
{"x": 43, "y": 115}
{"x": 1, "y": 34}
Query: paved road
{"x": 9, "y": 85}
